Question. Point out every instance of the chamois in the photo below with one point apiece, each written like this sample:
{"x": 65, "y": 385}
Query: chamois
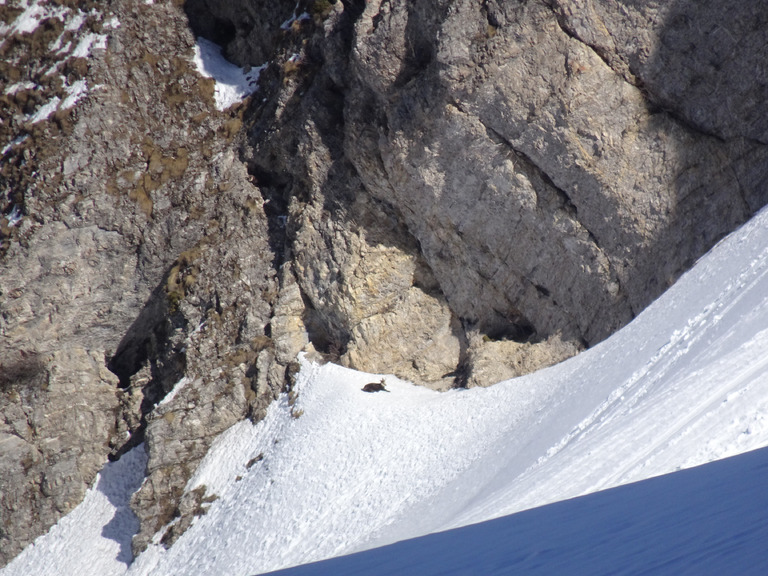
{"x": 376, "y": 386}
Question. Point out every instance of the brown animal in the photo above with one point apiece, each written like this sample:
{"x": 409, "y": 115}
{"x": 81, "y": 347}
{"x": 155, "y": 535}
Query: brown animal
{"x": 376, "y": 386}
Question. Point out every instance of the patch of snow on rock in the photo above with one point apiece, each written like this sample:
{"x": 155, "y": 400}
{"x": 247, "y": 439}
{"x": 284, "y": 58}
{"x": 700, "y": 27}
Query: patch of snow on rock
{"x": 176, "y": 388}
{"x": 233, "y": 84}
{"x": 28, "y": 21}
{"x": 14, "y": 217}
{"x": 89, "y": 42}
{"x": 303, "y": 16}
{"x": 112, "y": 23}
{"x": 74, "y": 93}
{"x": 85, "y": 42}
{"x": 18, "y": 86}
{"x": 18, "y": 140}
{"x": 45, "y": 111}
{"x": 75, "y": 22}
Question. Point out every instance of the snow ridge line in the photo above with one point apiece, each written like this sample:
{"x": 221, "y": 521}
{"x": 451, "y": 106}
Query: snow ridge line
{"x": 662, "y": 360}
{"x": 710, "y": 400}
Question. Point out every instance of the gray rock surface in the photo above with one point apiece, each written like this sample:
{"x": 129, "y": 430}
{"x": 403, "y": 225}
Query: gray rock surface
{"x": 504, "y": 140}
{"x": 144, "y": 244}
{"x": 587, "y": 199}
{"x": 247, "y": 31}
{"x": 57, "y": 421}
{"x": 456, "y": 192}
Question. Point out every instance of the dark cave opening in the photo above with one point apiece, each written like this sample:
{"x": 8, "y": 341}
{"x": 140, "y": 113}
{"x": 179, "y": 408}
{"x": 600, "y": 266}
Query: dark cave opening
{"x": 207, "y": 25}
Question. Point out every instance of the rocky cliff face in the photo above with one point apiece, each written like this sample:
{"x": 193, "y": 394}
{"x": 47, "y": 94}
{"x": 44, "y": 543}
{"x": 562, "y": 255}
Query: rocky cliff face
{"x": 141, "y": 258}
{"x": 454, "y": 191}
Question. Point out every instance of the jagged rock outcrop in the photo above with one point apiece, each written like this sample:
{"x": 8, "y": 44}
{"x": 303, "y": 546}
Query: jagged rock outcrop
{"x": 454, "y": 191}
{"x": 558, "y": 168}
{"x": 587, "y": 199}
{"x": 247, "y": 31}
{"x": 142, "y": 243}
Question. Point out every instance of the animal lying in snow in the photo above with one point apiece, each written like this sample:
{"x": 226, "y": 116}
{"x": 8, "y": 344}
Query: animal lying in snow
{"x": 376, "y": 386}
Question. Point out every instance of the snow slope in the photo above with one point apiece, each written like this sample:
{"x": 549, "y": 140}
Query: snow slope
{"x": 95, "y": 538}
{"x": 684, "y": 384}
{"x": 705, "y": 520}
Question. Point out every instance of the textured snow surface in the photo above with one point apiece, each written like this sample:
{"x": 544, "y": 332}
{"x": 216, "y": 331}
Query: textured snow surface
{"x": 233, "y": 83}
{"x": 709, "y": 520}
{"x": 686, "y": 383}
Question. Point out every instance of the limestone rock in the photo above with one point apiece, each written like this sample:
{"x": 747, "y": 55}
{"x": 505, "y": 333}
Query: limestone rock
{"x": 214, "y": 339}
{"x": 58, "y": 419}
{"x": 247, "y": 31}
{"x": 379, "y": 344}
{"x": 492, "y": 361}
{"x": 513, "y": 150}
{"x": 502, "y": 140}
{"x": 143, "y": 243}
{"x": 287, "y": 322}
{"x": 701, "y": 61}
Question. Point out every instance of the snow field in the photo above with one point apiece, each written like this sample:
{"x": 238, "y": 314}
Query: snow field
{"x": 684, "y": 384}
{"x": 338, "y": 456}
{"x": 709, "y": 520}
{"x": 95, "y": 538}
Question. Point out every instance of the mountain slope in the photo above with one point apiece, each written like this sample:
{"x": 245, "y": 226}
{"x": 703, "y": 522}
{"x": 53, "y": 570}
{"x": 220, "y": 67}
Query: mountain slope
{"x": 456, "y": 192}
{"x": 336, "y": 470}
{"x": 684, "y": 384}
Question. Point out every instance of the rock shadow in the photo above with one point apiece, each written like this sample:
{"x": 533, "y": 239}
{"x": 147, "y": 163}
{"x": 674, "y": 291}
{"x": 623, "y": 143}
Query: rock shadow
{"x": 118, "y": 481}
{"x": 154, "y": 339}
{"x": 707, "y": 72}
